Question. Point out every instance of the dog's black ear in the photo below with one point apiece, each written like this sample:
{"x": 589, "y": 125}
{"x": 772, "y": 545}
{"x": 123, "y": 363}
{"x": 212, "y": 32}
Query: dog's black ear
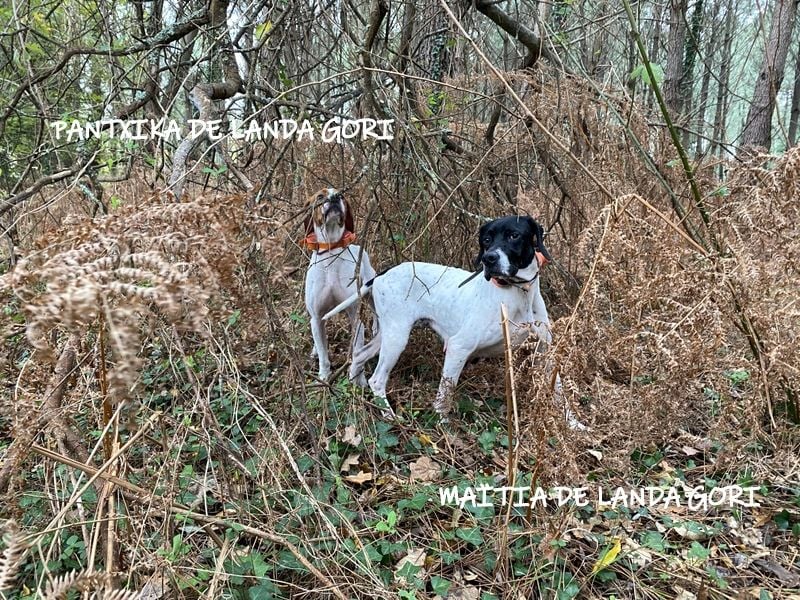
{"x": 479, "y": 258}
{"x": 349, "y": 224}
{"x": 538, "y": 238}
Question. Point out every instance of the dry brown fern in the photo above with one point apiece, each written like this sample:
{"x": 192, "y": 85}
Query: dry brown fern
{"x": 81, "y": 581}
{"x": 12, "y": 557}
{"x": 652, "y": 345}
{"x": 155, "y": 260}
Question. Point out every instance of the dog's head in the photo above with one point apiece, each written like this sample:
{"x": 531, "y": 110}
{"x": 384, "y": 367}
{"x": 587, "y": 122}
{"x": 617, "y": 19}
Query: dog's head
{"x": 329, "y": 215}
{"x": 511, "y": 248}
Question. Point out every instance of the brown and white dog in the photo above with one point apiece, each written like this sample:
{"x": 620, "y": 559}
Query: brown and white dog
{"x": 337, "y": 268}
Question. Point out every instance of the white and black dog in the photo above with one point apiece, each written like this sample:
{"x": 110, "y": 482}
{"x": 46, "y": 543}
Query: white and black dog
{"x": 336, "y": 269}
{"x": 465, "y": 315}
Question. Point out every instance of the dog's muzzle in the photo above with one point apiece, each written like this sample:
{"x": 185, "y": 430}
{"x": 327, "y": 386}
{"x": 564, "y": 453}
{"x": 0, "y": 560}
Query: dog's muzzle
{"x": 337, "y": 199}
{"x": 492, "y": 266}
{"x": 334, "y": 207}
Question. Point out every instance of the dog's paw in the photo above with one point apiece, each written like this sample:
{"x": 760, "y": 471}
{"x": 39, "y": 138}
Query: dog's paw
{"x": 387, "y": 414}
{"x": 359, "y": 379}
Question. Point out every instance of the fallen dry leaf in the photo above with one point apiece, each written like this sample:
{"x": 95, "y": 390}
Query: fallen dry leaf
{"x": 351, "y": 436}
{"x": 787, "y": 577}
{"x": 763, "y": 519}
{"x": 415, "y": 556}
{"x": 684, "y": 594}
{"x": 361, "y": 477}
{"x": 469, "y": 592}
{"x": 609, "y": 557}
{"x": 426, "y": 440}
{"x": 638, "y": 555}
{"x": 424, "y": 469}
{"x": 350, "y": 461}
{"x": 153, "y": 589}
{"x": 693, "y": 531}
{"x": 596, "y": 454}
{"x": 750, "y": 537}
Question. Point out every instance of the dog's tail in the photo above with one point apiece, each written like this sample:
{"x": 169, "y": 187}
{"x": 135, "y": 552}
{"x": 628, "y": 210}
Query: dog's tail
{"x": 365, "y": 290}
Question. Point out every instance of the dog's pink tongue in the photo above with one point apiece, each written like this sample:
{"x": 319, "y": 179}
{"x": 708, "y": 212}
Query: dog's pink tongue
{"x": 501, "y": 283}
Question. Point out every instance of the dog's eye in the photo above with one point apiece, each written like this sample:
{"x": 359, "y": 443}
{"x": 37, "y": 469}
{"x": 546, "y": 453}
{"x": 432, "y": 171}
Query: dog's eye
{"x": 487, "y": 240}
{"x": 513, "y": 235}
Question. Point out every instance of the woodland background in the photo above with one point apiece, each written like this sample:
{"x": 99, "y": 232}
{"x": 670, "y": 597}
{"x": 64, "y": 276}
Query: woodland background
{"x": 161, "y": 432}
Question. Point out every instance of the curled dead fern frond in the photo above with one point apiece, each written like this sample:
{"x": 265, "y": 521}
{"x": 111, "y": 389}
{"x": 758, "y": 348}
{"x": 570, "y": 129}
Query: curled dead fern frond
{"x": 98, "y": 585}
{"x": 81, "y": 581}
{"x": 121, "y": 595}
{"x": 153, "y": 262}
{"x": 12, "y": 557}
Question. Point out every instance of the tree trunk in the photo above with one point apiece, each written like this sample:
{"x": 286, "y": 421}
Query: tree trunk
{"x": 689, "y": 60}
{"x": 712, "y": 45}
{"x": 720, "y": 112}
{"x": 203, "y": 96}
{"x": 676, "y": 42}
{"x": 655, "y": 47}
{"x": 758, "y": 126}
{"x": 794, "y": 115}
{"x": 597, "y": 62}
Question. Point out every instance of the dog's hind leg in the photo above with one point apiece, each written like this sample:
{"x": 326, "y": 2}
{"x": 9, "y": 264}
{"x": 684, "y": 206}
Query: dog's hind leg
{"x": 357, "y": 328}
{"x": 394, "y": 338}
{"x": 360, "y": 358}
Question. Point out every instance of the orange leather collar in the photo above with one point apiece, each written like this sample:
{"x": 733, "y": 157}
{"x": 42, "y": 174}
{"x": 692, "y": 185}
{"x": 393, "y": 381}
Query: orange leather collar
{"x": 310, "y": 242}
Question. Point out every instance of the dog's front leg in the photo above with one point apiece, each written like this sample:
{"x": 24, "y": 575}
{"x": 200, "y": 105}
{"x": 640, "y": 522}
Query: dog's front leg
{"x": 454, "y": 360}
{"x": 321, "y": 346}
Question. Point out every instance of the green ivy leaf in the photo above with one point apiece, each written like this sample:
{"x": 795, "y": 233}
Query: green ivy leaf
{"x": 440, "y": 585}
{"x": 416, "y": 503}
{"x": 471, "y": 535}
{"x": 571, "y": 590}
{"x": 782, "y": 520}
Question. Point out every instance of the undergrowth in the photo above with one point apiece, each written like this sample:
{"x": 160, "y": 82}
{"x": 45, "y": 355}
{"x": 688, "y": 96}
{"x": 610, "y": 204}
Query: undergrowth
{"x": 162, "y": 434}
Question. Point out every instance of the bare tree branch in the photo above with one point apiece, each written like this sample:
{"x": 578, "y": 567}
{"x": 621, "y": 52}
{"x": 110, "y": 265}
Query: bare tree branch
{"x": 166, "y": 36}
{"x": 379, "y": 10}
{"x": 203, "y": 96}
{"x": 517, "y": 30}
{"x": 9, "y": 203}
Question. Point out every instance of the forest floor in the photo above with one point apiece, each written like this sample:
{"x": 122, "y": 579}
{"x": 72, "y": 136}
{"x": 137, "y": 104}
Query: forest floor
{"x": 256, "y": 483}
